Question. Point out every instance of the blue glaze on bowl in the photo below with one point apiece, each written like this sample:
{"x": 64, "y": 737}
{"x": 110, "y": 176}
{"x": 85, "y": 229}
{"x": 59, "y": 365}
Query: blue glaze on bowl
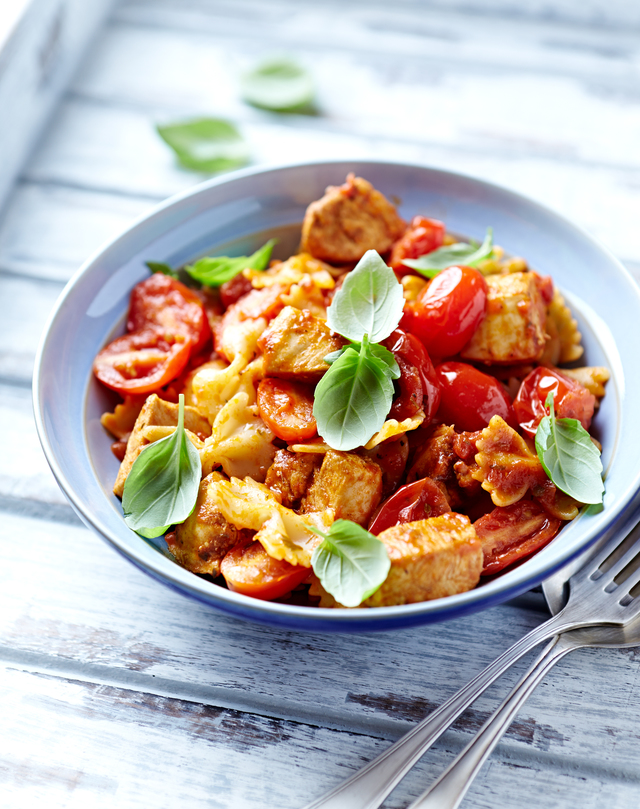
{"x": 235, "y": 214}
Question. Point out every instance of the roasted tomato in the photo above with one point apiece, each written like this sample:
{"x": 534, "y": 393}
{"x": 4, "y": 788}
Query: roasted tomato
{"x": 447, "y": 312}
{"x": 231, "y": 291}
{"x": 571, "y": 400}
{"x": 287, "y": 409}
{"x": 422, "y": 236}
{"x": 171, "y": 306}
{"x": 416, "y": 501}
{"x": 513, "y": 533}
{"x": 408, "y": 349}
{"x": 142, "y": 362}
{"x": 470, "y": 398}
{"x": 248, "y": 569}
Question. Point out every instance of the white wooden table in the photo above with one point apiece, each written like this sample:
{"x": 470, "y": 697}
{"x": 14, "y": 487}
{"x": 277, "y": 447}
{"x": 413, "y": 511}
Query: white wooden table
{"x": 116, "y": 692}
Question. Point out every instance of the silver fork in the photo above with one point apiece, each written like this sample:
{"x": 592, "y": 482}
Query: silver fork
{"x": 595, "y": 597}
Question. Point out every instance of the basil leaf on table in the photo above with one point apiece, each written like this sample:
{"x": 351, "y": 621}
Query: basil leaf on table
{"x": 353, "y": 398}
{"x": 206, "y": 144}
{"x": 165, "y": 269}
{"x": 569, "y": 457}
{"x": 213, "y": 271}
{"x": 351, "y": 563}
{"x": 162, "y": 487}
{"x": 278, "y": 84}
{"x": 370, "y": 301}
{"x": 434, "y": 262}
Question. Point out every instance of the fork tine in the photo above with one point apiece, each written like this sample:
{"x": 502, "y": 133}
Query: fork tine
{"x": 629, "y": 583}
{"x": 599, "y": 562}
{"x": 623, "y": 562}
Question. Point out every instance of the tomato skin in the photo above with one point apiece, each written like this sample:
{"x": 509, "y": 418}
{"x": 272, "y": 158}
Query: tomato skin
{"x": 571, "y": 400}
{"x": 142, "y": 362}
{"x": 231, "y": 291}
{"x": 422, "y": 236}
{"x": 287, "y": 409}
{"x": 448, "y": 311}
{"x": 470, "y": 398}
{"x": 248, "y": 569}
{"x": 408, "y": 348}
{"x": 415, "y": 501}
{"x": 164, "y": 302}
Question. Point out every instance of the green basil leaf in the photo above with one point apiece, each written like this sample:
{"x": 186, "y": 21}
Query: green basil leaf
{"x": 213, "y": 271}
{"x": 278, "y": 84}
{"x": 351, "y": 563}
{"x": 206, "y": 144}
{"x": 165, "y": 269}
{"x": 335, "y": 355}
{"x": 353, "y": 398}
{"x": 370, "y": 301}
{"x": 434, "y": 262}
{"x": 382, "y": 353}
{"x": 569, "y": 457}
{"x": 162, "y": 487}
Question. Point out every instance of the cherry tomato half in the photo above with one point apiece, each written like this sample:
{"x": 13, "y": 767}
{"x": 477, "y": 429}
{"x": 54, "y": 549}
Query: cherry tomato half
{"x": 170, "y": 305}
{"x": 447, "y": 311}
{"x": 570, "y": 401}
{"x": 248, "y": 569}
{"x": 287, "y": 409}
{"x": 416, "y": 501}
{"x": 470, "y": 398}
{"x": 408, "y": 348}
{"x": 142, "y": 362}
{"x": 422, "y": 236}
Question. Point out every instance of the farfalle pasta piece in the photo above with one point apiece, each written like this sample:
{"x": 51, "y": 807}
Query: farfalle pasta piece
{"x": 393, "y": 428}
{"x": 564, "y": 343}
{"x": 593, "y": 378}
{"x": 506, "y": 467}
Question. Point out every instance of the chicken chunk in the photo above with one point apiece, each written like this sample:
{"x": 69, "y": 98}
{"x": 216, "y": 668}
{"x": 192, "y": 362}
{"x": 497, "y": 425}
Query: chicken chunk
{"x": 202, "y": 541}
{"x": 513, "y": 329}
{"x": 295, "y": 345}
{"x": 349, "y": 485}
{"x": 430, "y": 558}
{"x": 290, "y": 474}
{"x": 349, "y": 220}
{"x": 157, "y": 412}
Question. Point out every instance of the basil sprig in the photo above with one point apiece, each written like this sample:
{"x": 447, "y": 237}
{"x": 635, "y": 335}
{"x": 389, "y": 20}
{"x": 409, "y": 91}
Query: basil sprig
{"x": 569, "y": 457}
{"x": 162, "y": 487}
{"x": 206, "y": 144}
{"x": 280, "y": 84}
{"x": 161, "y": 267}
{"x": 434, "y": 262}
{"x": 213, "y": 271}
{"x": 353, "y": 398}
{"x": 351, "y": 563}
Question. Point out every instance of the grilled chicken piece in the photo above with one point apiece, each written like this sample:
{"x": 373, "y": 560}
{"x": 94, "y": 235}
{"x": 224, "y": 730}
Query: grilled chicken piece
{"x": 348, "y": 484}
{"x": 290, "y": 474}
{"x": 202, "y": 541}
{"x": 435, "y": 459}
{"x": 349, "y": 220}
{"x": 513, "y": 329}
{"x": 295, "y": 345}
{"x": 157, "y": 412}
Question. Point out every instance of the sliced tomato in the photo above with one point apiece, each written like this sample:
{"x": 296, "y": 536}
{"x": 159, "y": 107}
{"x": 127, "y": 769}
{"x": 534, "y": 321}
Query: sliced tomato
{"x": 570, "y": 401}
{"x": 248, "y": 569}
{"x": 415, "y": 501}
{"x": 142, "y": 362}
{"x": 513, "y": 533}
{"x": 231, "y": 291}
{"x": 448, "y": 311}
{"x": 287, "y": 409}
{"x": 470, "y": 398}
{"x": 422, "y": 236}
{"x": 171, "y": 306}
{"x": 409, "y": 349}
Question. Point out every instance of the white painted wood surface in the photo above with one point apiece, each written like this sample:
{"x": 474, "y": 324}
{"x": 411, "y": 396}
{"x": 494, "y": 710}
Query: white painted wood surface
{"x": 114, "y": 691}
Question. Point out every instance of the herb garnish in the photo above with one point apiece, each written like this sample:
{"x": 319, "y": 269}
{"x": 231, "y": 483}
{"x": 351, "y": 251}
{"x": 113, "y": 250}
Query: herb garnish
{"x": 569, "y": 456}
{"x": 278, "y": 84}
{"x": 162, "y": 487}
{"x": 212, "y": 271}
{"x": 351, "y": 563}
{"x": 354, "y": 397}
{"x": 165, "y": 269}
{"x": 206, "y": 144}
{"x": 434, "y": 262}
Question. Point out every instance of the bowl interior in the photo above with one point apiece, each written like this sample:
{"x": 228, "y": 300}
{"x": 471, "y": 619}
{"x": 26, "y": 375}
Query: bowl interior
{"x": 235, "y": 216}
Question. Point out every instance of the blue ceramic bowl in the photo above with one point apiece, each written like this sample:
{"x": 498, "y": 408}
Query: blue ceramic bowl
{"x": 234, "y": 215}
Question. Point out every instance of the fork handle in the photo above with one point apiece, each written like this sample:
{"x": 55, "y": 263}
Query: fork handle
{"x": 450, "y": 788}
{"x": 368, "y": 787}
